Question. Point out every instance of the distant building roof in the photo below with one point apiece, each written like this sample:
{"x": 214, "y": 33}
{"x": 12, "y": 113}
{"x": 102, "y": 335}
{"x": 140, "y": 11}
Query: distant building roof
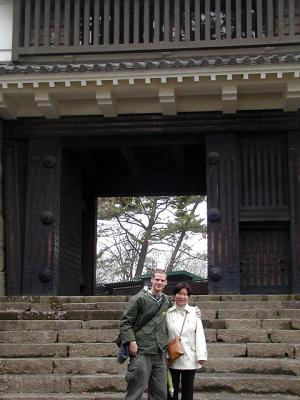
{"x": 177, "y": 274}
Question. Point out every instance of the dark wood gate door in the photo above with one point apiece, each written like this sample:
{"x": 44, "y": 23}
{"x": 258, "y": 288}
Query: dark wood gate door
{"x": 264, "y": 213}
{"x": 264, "y": 260}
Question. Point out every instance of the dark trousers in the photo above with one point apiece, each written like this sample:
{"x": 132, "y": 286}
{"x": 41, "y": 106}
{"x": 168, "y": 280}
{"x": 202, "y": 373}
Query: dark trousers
{"x": 187, "y": 383}
{"x": 147, "y": 371}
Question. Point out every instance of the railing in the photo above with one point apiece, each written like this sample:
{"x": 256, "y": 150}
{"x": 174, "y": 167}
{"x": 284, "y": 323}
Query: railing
{"x": 93, "y": 26}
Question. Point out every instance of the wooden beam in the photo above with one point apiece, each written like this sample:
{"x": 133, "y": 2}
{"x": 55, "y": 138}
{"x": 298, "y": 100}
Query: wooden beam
{"x": 8, "y": 108}
{"x": 167, "y": 100}
{"x": 47, "y": 105}
{"x": 229, "y": 98}
{"x": 106, "y": 102}
{"x": 292, "y": 96}
{"x": 131, "y": 160}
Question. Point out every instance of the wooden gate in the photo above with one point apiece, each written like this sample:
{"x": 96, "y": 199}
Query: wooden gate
{"x": 264, "y": 259}
{"x": 264, "y": 214}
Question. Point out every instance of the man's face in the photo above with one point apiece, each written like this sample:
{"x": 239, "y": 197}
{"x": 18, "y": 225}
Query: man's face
{"x": 159, "y": 282}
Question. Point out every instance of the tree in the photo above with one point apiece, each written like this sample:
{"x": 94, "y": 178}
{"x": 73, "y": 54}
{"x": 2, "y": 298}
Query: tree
{"x": 135, "y": 229}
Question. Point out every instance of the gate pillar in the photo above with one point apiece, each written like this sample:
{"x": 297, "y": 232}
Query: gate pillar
{"x": 294, "y": 179}
{"x": 222, "y": 213}
{"x": 42, "y": 218}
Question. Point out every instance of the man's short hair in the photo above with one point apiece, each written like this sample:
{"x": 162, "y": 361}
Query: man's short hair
{"x": 158, "y": 271}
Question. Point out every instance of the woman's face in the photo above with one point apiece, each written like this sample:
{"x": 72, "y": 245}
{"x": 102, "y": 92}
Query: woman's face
{"x": 181, "y": 298}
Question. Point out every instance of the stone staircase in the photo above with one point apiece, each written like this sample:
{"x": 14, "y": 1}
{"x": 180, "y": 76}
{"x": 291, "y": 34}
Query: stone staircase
{"x": 62, "y": 348}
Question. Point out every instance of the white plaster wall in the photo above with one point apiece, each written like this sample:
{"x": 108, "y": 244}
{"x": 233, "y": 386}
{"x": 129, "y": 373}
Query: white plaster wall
{"x": 6, "y": 26}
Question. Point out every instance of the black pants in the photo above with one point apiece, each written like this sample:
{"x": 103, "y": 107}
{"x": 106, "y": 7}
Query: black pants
{"x": 187, "y": 383}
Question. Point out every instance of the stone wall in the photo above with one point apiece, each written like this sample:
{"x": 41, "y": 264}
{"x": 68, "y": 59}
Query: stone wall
{"x": 2, "y": 267}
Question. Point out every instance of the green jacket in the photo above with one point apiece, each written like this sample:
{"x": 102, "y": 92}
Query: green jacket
{"x": 151, "y": 338}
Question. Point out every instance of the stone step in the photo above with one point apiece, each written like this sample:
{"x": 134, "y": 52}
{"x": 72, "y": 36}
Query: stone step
{"x": 69, "y": 336}
{"x": 248, "y": 305}
{"x": 252, "y": 366}
{"x": 274, "y": 324}
{"x": 205, "y": 305}
{"x": 66, "y": 299}
{"x": 82, "y": 366}
{"x": 109, "y": 335}
{"x": 112, "y": 314}
{"x": 51, "y": 383}
{"x": 194, "y": 298}
{"x": 56, "y": 325}
{"x": 252, "y": 336}
{"x": 16, "y": 350}
{"x": 100, "y": 365}
{"x": 120, "y": 396}
{"x": 84, "y": 315}
{"x": 261, "y": 350}
{"x": 95, "y": 306}
{"x": 254, "y": 383}
{"x": 253, "y": 313}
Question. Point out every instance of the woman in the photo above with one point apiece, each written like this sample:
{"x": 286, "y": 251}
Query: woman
{"x": 183, "y": 317}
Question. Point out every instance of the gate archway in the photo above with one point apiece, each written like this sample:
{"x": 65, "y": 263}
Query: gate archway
{"x": 55, "y": 170}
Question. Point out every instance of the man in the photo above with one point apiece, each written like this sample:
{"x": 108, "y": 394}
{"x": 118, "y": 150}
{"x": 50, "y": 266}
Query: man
{"x": 143, "y": 327}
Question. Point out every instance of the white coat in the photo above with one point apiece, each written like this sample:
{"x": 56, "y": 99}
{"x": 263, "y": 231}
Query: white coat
{"x": 192, "y": 337}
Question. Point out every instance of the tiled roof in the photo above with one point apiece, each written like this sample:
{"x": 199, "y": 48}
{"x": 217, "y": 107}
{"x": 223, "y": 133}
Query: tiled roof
{"x": 148, "y": 65}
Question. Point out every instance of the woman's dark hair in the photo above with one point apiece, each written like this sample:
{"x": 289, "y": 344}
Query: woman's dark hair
{"x": 180, "y": 286}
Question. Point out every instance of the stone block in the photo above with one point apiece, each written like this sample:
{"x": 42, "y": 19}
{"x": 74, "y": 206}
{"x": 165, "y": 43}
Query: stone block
{"x": 14, "y": 306}
{"x": 111, "y": 306}
{"x": 226, "y": 350}
{"x": 242, "y": 324}
{"x": 26, "y": 366}
{"x": 93, "y": 350}
{"x": 210, "y": 335}
{"x": 34, "y": 383}
{"x": 89, "y": 315}
{"x": 277, "y": 324}
{"x": 89, "y": 335}
{"x": 270, "y": 350}
{"x": 33, "y": 350}
{"x": 205, "y": 297}
{"x": 247, "y": 314}
{"x": 295, "y": 323}
{"x": 213, "y": 323}
{"x": 208, "y": 313}
{"x": 88, "y": 366}
{"x": 36, "y": 325}
{"x": 249, "y": 365}
{"x": 290, "y": 313}
{"x": 28, "y": 337}
{"x": 242, "y": 336}
{"x": 292, "y": 336}
{"x": 102, "y": 324}
{"x": 93, "y": 383}
{"x": 293, "y": 304}
{"x": 79, "y": 306}
{"x": 253, "y": 383}
{"x": 108, "y": 299}
{"x": 297, "y": 351}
